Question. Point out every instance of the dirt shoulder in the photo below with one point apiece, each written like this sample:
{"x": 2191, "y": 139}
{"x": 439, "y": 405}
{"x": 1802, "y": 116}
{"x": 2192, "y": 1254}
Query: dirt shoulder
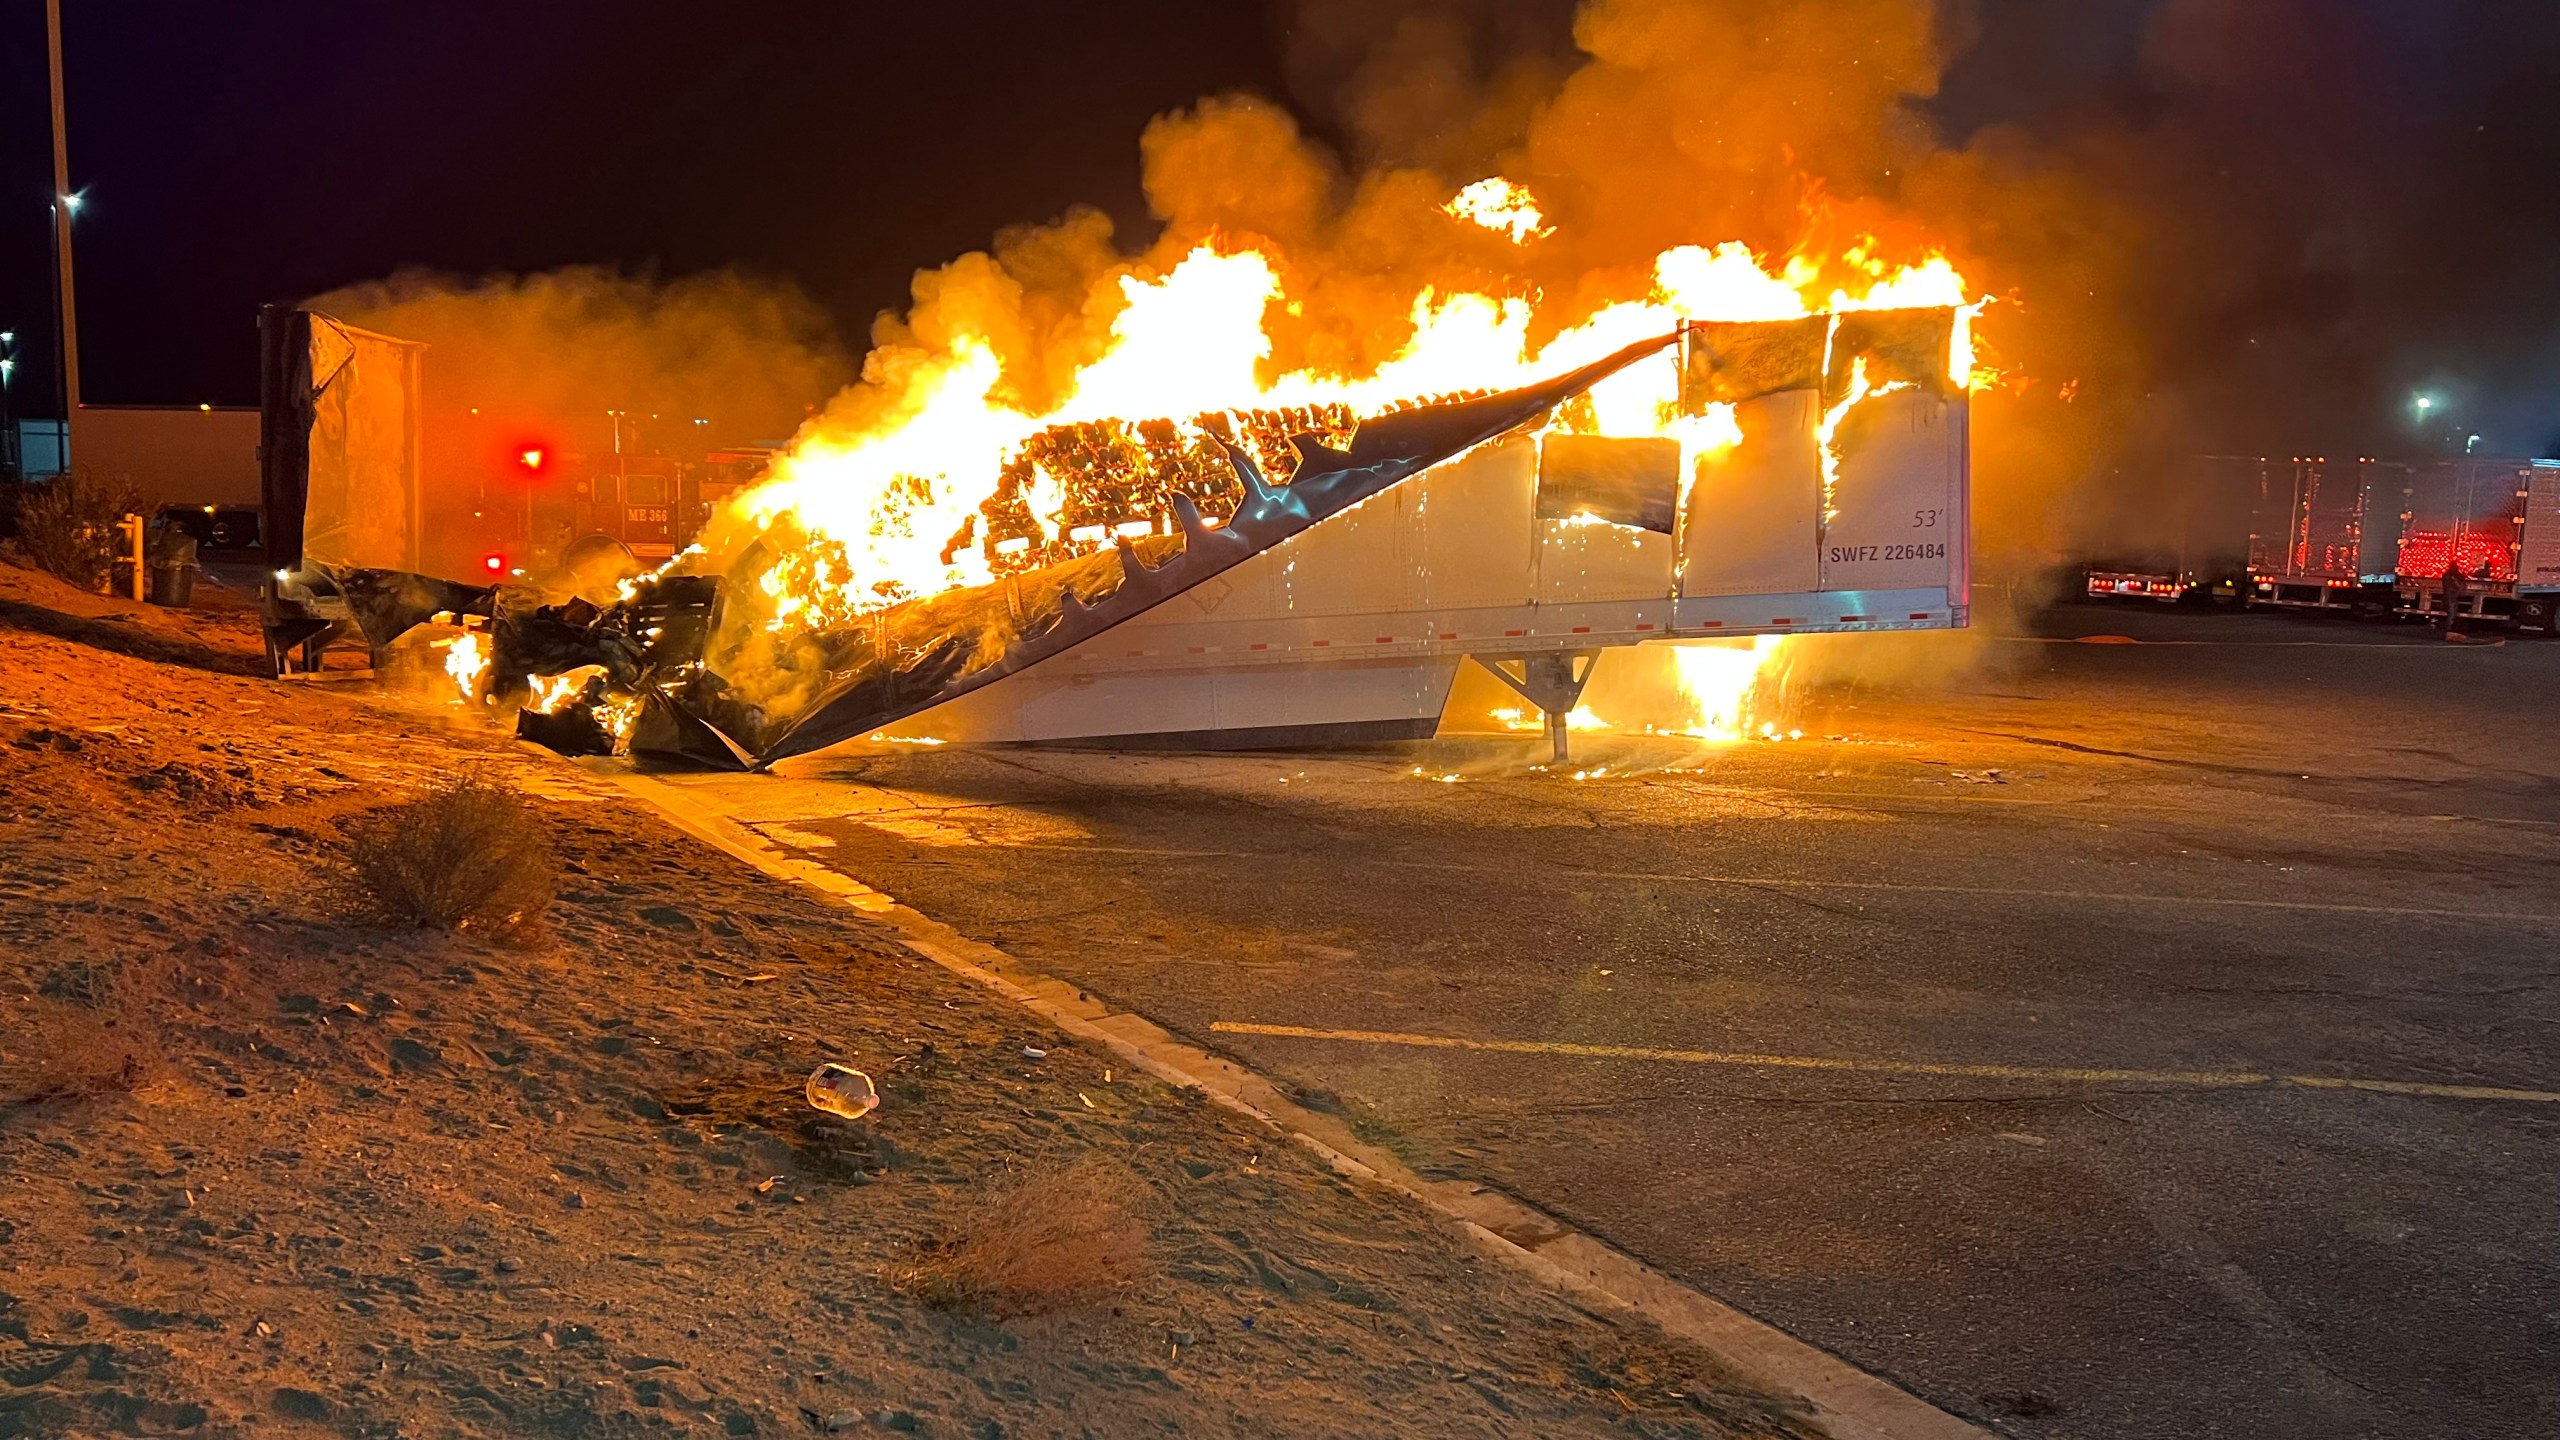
{"x": 265, "y": 1172}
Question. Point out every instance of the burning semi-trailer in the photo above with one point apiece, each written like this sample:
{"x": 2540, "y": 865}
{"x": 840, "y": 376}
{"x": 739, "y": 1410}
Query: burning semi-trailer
{"x": 1747, "y": 451}
{"x": 1341, "y": 604}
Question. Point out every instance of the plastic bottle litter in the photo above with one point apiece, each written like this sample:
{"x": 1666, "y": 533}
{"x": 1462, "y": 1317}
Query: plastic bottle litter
{"x": 843, "y": 1090}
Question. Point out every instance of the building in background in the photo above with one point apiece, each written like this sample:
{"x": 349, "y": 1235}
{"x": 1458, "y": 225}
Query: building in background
{"x": 40, "y": 448}
{"x": 173, "y": 454}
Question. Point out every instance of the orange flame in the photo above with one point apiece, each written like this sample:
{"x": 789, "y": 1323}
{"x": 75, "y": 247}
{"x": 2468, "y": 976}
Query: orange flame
{"x": 878, "y": 505}
{"x": 467, "y": 665}
{"x": 1502, "y": 207}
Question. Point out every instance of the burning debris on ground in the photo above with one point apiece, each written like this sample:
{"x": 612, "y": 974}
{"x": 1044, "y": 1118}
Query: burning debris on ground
{"x": 585, "y": 678}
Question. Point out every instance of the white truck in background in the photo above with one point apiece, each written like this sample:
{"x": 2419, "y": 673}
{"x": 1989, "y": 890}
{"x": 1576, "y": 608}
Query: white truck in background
{"x": 2538, "y": 551}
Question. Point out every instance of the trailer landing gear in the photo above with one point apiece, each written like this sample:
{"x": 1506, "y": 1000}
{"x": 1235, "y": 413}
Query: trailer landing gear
{"x": 1552, "y": 682}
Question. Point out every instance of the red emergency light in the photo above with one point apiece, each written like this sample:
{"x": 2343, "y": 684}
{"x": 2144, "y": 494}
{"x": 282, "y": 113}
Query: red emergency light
{"x": 494, "y": 562}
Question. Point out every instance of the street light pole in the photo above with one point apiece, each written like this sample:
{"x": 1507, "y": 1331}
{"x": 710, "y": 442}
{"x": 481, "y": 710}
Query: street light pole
{"x": 10, "y": 471}
{"x": 63, "y": 202}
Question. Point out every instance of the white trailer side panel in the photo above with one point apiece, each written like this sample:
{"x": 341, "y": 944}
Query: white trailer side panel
{"x": 2538, "y": 550}
{"x": 1580, "y": 561}
{"x": 1752, "y": 516}
{"x": 1472, "y": 532}
{"x": 1388, "y": 699}
{"x": 1357, "y": 626}
{"x": 1898, "y": 498}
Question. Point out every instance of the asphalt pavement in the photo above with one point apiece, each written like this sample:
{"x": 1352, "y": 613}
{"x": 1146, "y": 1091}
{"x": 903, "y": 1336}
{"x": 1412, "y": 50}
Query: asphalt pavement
{"x": 2099, "y": 1039}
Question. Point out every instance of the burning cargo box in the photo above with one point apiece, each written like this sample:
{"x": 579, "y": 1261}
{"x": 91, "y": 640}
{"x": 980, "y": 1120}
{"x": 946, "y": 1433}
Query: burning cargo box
{"x": 1832, "y": 497}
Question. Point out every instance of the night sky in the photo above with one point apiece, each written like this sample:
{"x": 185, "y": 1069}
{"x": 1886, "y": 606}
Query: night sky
{"x": 235, "y": 155}
{"x": 2351, "y": 199}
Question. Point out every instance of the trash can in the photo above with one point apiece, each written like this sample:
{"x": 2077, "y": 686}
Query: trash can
{"x": 173, "y": 569}
{"x": 173, "y": 585}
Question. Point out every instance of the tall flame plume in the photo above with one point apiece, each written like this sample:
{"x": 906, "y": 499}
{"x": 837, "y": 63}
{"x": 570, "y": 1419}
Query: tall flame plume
{"x": 903, "y": 505}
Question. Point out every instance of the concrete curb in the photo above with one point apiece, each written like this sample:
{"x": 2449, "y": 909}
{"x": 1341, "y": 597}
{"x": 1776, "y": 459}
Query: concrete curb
{"x": 1848, "y": 1402}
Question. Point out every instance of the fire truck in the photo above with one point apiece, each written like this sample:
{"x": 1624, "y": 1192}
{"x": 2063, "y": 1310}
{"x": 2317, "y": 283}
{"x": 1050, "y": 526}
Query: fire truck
{"x": 510, "y": 494}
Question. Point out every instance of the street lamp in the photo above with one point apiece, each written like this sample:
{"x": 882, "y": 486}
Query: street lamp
{"x": 10, "y": 469}
{"x": 66, "y": 204}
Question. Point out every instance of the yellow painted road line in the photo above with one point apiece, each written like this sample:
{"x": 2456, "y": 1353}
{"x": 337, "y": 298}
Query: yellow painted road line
{"x": 2220, "y": 1079}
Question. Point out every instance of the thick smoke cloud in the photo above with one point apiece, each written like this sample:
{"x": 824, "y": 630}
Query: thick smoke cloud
{"x": 1796, "y": 127}
{"x": 1448, "y": 85}
{"x": 752, "y": 355}
{"x": 2338, "y": 202}
{"x": 2251, "y": 226}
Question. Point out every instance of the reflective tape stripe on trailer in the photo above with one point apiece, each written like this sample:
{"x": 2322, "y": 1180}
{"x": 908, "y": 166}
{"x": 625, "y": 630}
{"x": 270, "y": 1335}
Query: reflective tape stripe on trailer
{"x": 1640, "y": 627}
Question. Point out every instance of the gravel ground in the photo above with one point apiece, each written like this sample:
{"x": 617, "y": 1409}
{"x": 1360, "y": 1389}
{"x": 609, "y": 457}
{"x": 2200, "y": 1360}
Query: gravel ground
{"x": 263, "y": 1171}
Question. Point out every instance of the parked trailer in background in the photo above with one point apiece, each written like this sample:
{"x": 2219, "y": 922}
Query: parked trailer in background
{"x": 2325, "y": 532}
{"x": 2188, "y": 545}
{"x": 174, "y": 454}
{"x": 2468, "y": 511}
{"x": 2377, "y": 536}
